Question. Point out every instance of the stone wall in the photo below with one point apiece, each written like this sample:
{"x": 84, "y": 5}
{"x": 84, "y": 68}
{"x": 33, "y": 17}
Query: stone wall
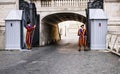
{"x": 5, "y": 7}
{"x": 2, "y": 39}
{"x": 112, "y": 9}
{"x": 49, "y": 34}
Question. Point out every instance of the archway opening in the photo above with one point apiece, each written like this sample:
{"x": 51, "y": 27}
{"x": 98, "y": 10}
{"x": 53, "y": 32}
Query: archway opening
{"x": 69, "y": 29}
{"x": 53, "y": 24}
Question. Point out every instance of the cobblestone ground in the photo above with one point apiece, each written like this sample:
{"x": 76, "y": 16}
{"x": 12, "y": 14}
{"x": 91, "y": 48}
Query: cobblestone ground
{"x": 61, "y": 58}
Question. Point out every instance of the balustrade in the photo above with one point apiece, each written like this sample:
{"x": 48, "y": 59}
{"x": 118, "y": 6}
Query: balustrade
{"x": 64, "y": 3}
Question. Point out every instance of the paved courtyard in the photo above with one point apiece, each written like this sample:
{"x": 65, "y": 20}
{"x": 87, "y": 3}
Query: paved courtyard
{"x": 61, "y": 58}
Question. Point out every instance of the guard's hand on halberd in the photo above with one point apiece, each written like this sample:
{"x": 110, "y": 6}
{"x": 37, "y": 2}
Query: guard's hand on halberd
{"x": 34, "y": 26}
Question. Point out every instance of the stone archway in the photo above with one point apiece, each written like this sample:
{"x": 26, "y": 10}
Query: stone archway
{"x": 49, "y": 26}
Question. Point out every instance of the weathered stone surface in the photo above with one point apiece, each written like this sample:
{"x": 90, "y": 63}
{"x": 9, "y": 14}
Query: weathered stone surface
{"x": 59, "y": 59}
{"x": 5, "y": 7}
{"x": 2, "y": 39}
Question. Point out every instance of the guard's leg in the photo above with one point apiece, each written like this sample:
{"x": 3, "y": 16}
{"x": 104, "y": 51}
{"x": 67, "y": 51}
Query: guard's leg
{"x": 79, "y": 44}
{"x": 84, "y": 44}
{"x": 28, "y": 46}
{"x": 28, "y": 40}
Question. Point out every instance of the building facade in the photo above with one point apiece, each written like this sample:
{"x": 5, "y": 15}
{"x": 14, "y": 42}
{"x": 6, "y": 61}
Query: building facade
{"x": 48, "y": 9}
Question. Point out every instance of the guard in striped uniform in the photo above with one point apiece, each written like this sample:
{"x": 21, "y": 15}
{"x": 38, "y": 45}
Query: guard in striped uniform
{"x": 29, "y": 34}
{"x": 82, "y": 37}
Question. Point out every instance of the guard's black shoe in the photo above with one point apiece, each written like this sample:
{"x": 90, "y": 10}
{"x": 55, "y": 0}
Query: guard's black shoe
{"x": 79, "y": 50}
{"x": 86, "y": 49}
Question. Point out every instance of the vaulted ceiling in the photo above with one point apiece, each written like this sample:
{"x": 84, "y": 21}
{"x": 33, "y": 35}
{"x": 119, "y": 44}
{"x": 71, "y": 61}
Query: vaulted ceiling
{"x": 60, "y": 17}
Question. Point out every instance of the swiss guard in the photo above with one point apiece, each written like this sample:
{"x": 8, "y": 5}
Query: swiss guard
{"x": 29, "y": 34}
{"x": 82, "y": 38}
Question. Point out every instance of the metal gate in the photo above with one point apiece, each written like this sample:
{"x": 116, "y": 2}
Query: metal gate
{"x": 30, "y": 14}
